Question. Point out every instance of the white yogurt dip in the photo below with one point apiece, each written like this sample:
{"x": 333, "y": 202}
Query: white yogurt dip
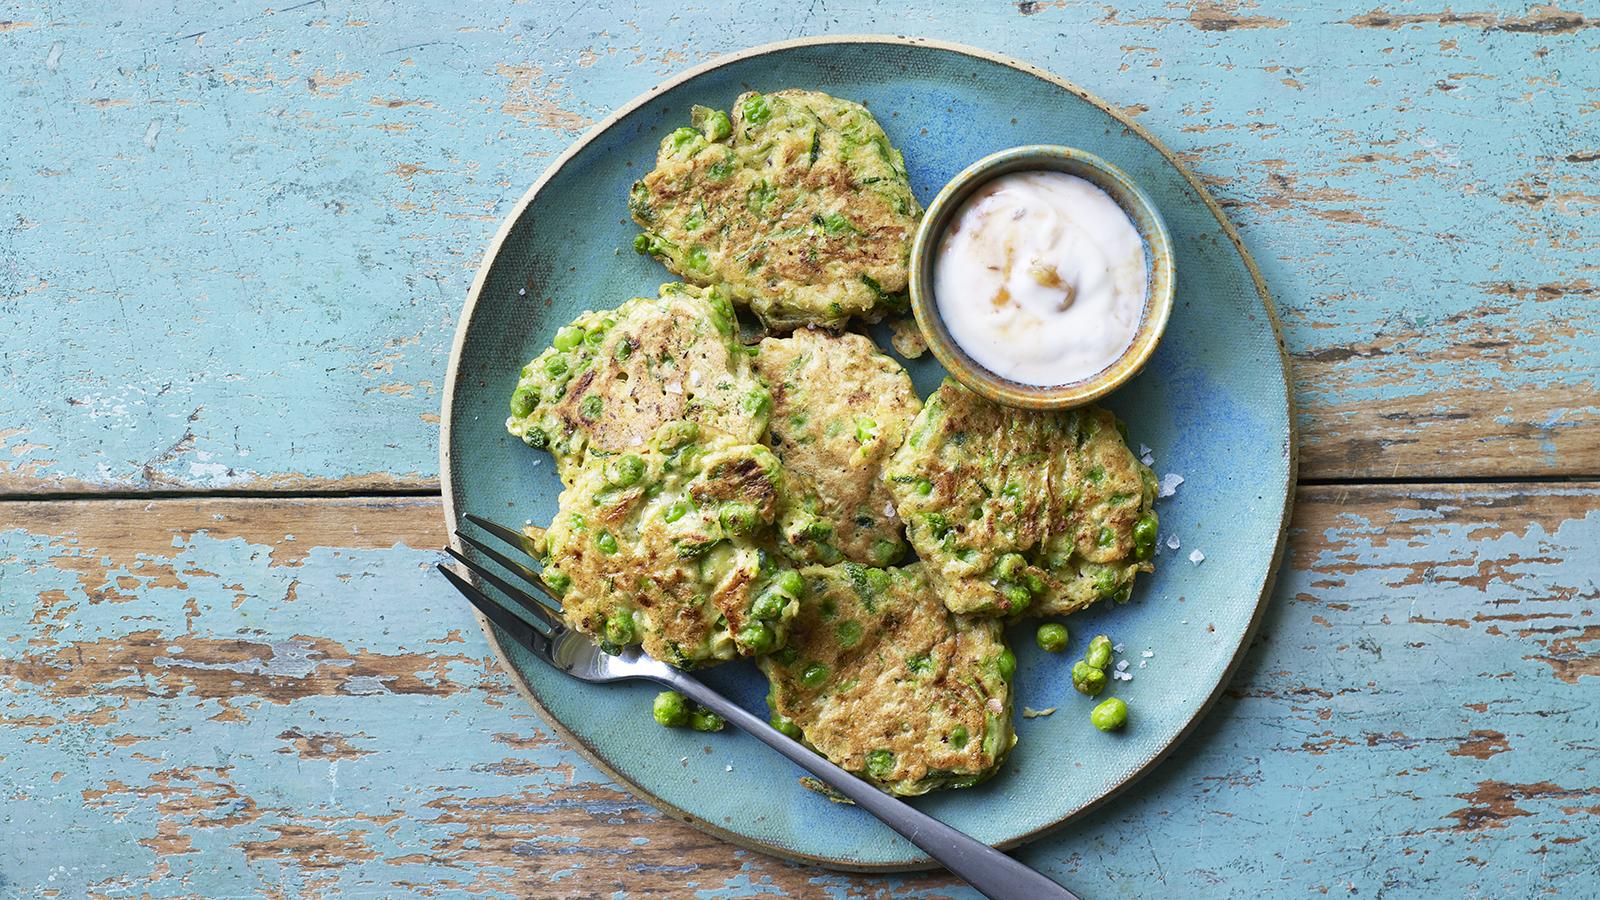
{"x": 1041, "y": 278}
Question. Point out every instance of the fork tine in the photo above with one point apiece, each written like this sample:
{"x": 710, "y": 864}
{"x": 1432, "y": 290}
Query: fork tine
{"x": 520, "y": 631}
{"x": 527, "y": 574}
{"x": 508, "y": 535}
{"x": 534, "y": 607}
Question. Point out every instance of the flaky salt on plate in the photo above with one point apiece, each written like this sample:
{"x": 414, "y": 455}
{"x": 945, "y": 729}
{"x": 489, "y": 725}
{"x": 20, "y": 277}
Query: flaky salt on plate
{"x": 1197, "y": 557}
{"x": 1169, "y": 484}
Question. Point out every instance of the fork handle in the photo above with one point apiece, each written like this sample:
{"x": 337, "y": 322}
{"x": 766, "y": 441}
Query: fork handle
{"x": 995, "y": 874}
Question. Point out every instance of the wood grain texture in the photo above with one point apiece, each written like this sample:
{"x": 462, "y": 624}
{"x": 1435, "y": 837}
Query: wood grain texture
{"x": 215, "y": 696}
{"x": 233, "y": 243}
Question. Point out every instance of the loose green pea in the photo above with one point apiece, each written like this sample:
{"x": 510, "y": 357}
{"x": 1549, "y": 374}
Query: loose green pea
{"x": 786, "y": 726}
{"x": 569, "y": 336}
{"x": 619, "y": 628}
{"x": 757, "y": 637}
{"x": 791, "y": 583}
{"x": 1006, "y": 664}
{"x": 670, "y": 709}
{"x": 606, "y": 542}
{"x": 1099, "y": 652}
{"x": 641, "y": 244}
{"x": 1087, "y": 679}
{"x": 1051, "y": 637}
{"x": 958, "y": 736}
{"x": 625, "y": 470}
{"x": 880, "y": 763}
{"x": 814, "y": 675}
{"x": 1144, "y": 536}
{"x": 1110, "y": 715}
{"x": 706, "y": 720}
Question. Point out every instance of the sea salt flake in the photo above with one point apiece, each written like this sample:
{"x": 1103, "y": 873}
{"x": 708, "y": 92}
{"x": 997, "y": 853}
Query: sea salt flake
{"x": 1117, "y": 648}
{"x": 1031, "y": 713}
{"x": 1122, "y": 665}
{"x": 1172, "y": 542}
{"x": 1144, "y": 450}
{"x": 888, "y": 509}
{"x": 1169, "y": 484}
{"x": 1147, "y": 459}
{"x": 1142, "y": 663}
{"x": 1148, "y": 653}
{"x": 727, "y": 768}
{"x": 673, "y": 387}
{"x": 1197, "y": 557}
{"x": 694, "y": 377}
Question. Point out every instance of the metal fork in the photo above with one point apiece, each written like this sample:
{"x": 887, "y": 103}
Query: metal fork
{"x": 542, "y": 631}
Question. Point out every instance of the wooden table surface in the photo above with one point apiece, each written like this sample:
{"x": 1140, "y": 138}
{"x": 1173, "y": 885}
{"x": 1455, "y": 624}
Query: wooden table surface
{"x": 233, "y": 245}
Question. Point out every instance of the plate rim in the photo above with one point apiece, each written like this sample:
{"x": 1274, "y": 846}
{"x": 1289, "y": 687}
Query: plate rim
{"x": 492, "y": 252}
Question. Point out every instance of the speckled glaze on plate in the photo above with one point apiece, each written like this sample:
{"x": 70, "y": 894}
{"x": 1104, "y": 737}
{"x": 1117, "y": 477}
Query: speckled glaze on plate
{"x": 1212, "y": 403}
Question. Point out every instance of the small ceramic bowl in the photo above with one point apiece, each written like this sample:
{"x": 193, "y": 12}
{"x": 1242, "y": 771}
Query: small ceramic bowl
{"x": 1158, "y": 262}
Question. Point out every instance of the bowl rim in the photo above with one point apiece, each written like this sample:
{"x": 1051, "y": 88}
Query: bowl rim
{"x": 1147, "y": 220}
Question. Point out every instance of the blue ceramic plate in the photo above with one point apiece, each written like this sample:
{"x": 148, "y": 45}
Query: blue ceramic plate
{"x": 1213, "y": 405}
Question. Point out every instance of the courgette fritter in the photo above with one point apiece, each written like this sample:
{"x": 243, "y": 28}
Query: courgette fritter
{"x": 1017, "y": 511}
{"x": 612, "y": 377}
{"x": 668, "y": 547}
{"x": 798, "y": 204}
{"x": 840, "y": 408}
{"x": 884, "y": 681}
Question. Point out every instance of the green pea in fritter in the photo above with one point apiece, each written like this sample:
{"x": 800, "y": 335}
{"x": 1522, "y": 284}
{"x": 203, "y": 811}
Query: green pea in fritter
{"x": 797, "y": 204}
{"x": 612, "y": 377}
{"x": 840, "y": 408}
{"x": 1014, "y": 511}
{"x": 884, "y": 681}
{"x": 667, "y": 547}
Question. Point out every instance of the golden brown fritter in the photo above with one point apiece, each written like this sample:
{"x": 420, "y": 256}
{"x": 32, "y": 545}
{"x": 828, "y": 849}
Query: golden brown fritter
{"x": 797, "y": 204}
{"x": 613, "y": 376}
{"x": 884, "y": 681}
{"x": 840, "y": 408}
{"x": 667, "y": 547}
{"x": 1017, "y": 511}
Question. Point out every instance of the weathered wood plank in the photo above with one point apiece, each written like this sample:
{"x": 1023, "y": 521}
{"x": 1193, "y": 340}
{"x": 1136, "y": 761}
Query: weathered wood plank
{"x": 226, "y": 696}
{"x": 234, "y": 242}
